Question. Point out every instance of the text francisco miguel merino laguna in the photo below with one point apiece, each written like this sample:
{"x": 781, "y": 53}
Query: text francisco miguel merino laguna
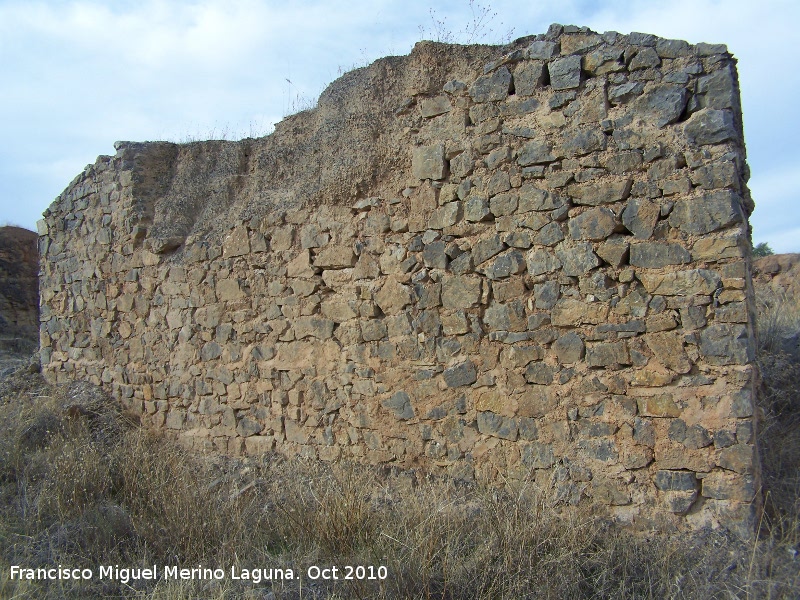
{"x": 256, "y": 575}
{"x": 126, "y": 574}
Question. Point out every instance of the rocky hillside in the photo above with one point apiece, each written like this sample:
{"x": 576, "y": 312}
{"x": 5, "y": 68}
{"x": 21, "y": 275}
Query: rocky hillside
{"x": 19, "y": 295}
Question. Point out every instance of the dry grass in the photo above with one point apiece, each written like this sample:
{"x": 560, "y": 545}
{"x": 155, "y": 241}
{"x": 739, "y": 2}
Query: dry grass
{"x": 79, "y": 486}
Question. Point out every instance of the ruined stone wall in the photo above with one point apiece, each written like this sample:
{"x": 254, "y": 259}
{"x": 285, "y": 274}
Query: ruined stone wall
{"x": 529, "y": 260}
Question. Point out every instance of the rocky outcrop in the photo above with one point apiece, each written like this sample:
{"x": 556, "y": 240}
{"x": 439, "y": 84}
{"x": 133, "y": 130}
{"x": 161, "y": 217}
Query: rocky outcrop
{"x": 529, "y": 260}
{"x": 19, "y": 295}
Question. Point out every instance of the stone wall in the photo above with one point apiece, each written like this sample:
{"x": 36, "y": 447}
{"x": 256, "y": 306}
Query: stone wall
{"x": 530, "y": 260}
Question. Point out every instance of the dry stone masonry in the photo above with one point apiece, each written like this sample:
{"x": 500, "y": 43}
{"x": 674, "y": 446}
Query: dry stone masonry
{"x": 492, "y": 262}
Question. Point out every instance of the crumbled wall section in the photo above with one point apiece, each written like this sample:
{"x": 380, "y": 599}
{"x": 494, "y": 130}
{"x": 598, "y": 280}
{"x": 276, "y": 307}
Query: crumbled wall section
{"x": 486, "y": 261}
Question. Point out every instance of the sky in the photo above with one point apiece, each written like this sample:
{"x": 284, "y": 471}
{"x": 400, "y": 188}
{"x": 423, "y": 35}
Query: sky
{"x": 76, "y": 76}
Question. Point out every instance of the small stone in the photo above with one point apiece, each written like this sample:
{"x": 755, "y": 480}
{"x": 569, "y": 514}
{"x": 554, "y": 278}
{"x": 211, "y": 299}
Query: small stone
{"x": 540, "y": 373}
{"x": 460, "y": 291}
{"x": 672, "y": 48}
{"x": 427, "y": 162}
{"x": 710, "y": 212}
{"x": 607, "y": 354}
{"x": 726, "y": 344}
{"x": 536, "y": 152}
{"x": 654, "y": 255}
{"x": 664, "y": 104}
{"x": 476, "y": 208}
{"x": 400, "y": 405}
{"x": 541, "y": 50}
{"x": 565, "y": 73}
{"x": 738, "y": 458}
{"x": 646, "y": 58}
{"x": 621, "y": 94}
{"x": 431, "y": 107}
{"x": 538, "y": 456}
{"x": 593, "y": 194}
{"x": 711, "y": 126}
{"x": 594, "y": 224}
{"x": 487, "y": 248}
{"x": 569, "y": 348}
{"x": 493, "y": 87}
{"x": 460, "y": 375}
{"x": 718, "y": 89}
{"x": 528, "y": 77}
{"x": 578, "y": 259}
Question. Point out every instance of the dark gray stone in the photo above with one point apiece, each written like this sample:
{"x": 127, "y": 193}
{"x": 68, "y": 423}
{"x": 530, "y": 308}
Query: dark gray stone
{"x": 492, "y": 87}
{"x": 726, "y": 344}
{"x": 711, "y": 126}
{"x": 542, "y": 261}
{"x": 532, "y": 198}
{"x": 569, "y": 348}
{"x": 600, "y": 449}
{"x": 503, "y": 204}
{"x": 528, "y": 77}
{"x": 536, "y": 152}
{"x": 664, "y": 104}
{"x": 724, "y": 438}
{"x": 527, "y": 429}
{"x": 462, "y": 264}
{"x": 476, "y": 208}
{"x": 493, "y": 424}
{"x": 541, "y": 50}
{"x": 717, "y": 175}
{"x": 654, "y": 255}
{"x": 461, "y": 374}
{"x": 623, "y": 162}
{"x": 718, "y": 89}
{"x": 400, "y": 405}
{"x": 561, "y": 99}
{"x": 549, "y": 235}
{"x": 210, "y": 351}
{"x": 594, "y": 224}
{"x": 505, "y": 265}
{"x": 646, "y": 58}
{"x": 434, "y": 255}
{"x": 460, "y": 291}
{"x": 697, "y": 437}
{"x": 539, "y": 372}
{"x": 742, "y": 405}
{"x": 546, "y": 294}
{"x": 247, "y": 427}
{"x": 607, "y": 354}
{"x": 710, "y": 212}
{"x": 584, "y": 142}
{"x": 508, "y": 316}
{"x": 672, "y": 48}
{"x": 577, "y": 260}
{"x": 538, "y": 456}
{"x": 675, "y": 481}
{"x": 621, "y": 94}
{"x": 487, "y": 248}
{"x": 565, "y": 73}
{"x": 640, "y": 216}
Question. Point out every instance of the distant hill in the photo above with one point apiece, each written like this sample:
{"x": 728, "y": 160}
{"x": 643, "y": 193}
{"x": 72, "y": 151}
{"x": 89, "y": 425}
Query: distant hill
{"x": 19, "y": 292}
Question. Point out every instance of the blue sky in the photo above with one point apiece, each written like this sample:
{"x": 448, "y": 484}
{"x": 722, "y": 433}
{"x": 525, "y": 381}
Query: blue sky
{"x": 79, "y": 75}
